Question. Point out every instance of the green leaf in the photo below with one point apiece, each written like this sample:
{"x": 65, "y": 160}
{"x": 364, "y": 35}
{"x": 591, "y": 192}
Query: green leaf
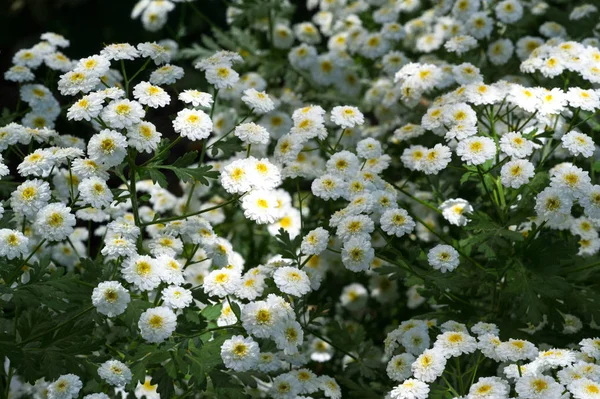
{"x": 186, "y": 160}
{"x": 190, "y": 175}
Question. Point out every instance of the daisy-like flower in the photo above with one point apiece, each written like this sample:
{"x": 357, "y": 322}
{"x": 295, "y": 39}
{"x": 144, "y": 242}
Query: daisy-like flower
{"x": 347, "y": 116}
{"x": 285, "y": 386}
{"x": 143, "y": 137}
{"x": 153, "y": 96}
{"x": 553, "y": 205}
{"x": 398, "y": 368}
{"x": 115, "y": 373}
{"x": 123, "y": 113}
{"x": 29, "y": 197}
{"x": 516, "y": 173}
{"x": 578, "y": 144}
{"x": 154, "y": 51}
{"x": 292, "y": 281}
{"x": 157, "y": 324}
{"x": 258, "y": 101}
{"x": 108, "y": 147}
{"x": 166, "y": 75}
{"x": 74, "y": 82}
{"x": 357, "y": 254}
{"x": 193, "y": 124}
{"x": 397, "y": 222}
{"x": 19, "y": 74}
{"x": 177, "y": 297}
{"x": 96, "y": 65}
{"x": 315, "y": 241}
{"x": 429, "y": 365}
{"x": 516, "y": 349}
{"x": 120, "y": 51}
{"x": 455, "y": 343}
{"x": 515, "y": 145}
{"x": 476, "y": 150}
{"x": 95, "y": 192}
{"x": 142, "y": 271}
{"x": 65, "y": 387}
{"x": 222, "y": 282}
{"x": 196, "y": 98}
{"x": 488, "y": 388}
{"x": 86, "y": 108}
{"x": 13, "y": 243}
{"x": 410, "y": 389}
{"x": 289, "y": 337}
{"x": 454, "y": 211}
{"x": 239, "y": 353}
{"x": 443, "y": 258}
{"x": 261, "y": 206}
{"x": 222, "y": 76}
{"x": 110, "y": 298}
{"x": 537, "y": 386}
{"x": 251, "y": 133}
{"x": 55, "y": 222}
{"x": 584, "y": 388}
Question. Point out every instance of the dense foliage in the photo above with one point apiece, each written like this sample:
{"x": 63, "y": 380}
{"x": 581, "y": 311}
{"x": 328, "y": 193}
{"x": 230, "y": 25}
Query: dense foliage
{"x": 393, "y": 198}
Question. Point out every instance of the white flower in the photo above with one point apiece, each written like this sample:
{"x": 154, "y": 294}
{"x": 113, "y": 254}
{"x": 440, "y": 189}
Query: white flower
{"x": 454, "y": 211}
{"x": 74, "y": 82}
{"x": 222, "y": 76}
{"x": 553, "y": 205}
{"x": 516, "y": 349}
{"x": 315, "y": 241}
{"x": 258, "y": 101}
{"x": 108, "y": 147}
{"x": 516, "y": 173}
{"x": 87, "y": 108}
{"x": 443, "y": 258}
{"x": 514, "y": 145}
{"x": 177, "y": 297}
{"x": 489, "y": 388}
{"x": 55, "y": 222}
{"x": 410, "y": 389}
{"x": 65, "y": 387}
{"x": 95, "y": 192}
{"x": 285, "y": 386}
{"x": 13, "y": 243}
{"x": 120, "y": 51}
{"x": 29, "y": 197}
{"x": 143, "y": 137}
{"x": 110, "y": 298}
{"x": 193, "y": 124}
{"x": 584, "y": 388}
{"x": 289, "y": 337}
{"x": 397, "y": 222}
{"x": 222, "y": 282}
{"x": 261, "y": 206}
{"x": 357, "y": 254}
{"x": 239, "y": 353}
{"x": 578, "y": 144}
{"x": 115, "y": 373}
{"x": 123, "y": 113}
{"x": 196, "y": 98}
{"x": 156, "y": 52}
{"x": 142, "y": 271}
{"x": 509, "y": 11}
{"x": 429, "y": 365}
{"x": 291, "y": 280}
{"x": 538, "y": 386}
{"x": 150, "y": 95}
{"x": 399, "y": 367}
{"x": 455, "y": 343}
{"x": 347, "y": 116}
{"x": 157, "y": 324}
{"x": 476, "y": 150}
{"x": 251, "y": 133}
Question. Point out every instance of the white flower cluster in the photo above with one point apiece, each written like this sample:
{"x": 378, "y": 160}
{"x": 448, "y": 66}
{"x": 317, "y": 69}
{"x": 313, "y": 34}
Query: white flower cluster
{"x": 268, "y": 226}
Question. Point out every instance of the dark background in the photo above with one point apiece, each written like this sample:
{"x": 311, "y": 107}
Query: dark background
{"x": 88, "y": 24}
